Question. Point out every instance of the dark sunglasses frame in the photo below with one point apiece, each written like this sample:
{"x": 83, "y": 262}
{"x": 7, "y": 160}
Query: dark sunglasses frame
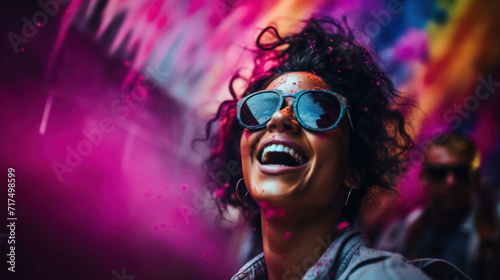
{"x": 461, "y": 172}
{"x": 344, "y": 107}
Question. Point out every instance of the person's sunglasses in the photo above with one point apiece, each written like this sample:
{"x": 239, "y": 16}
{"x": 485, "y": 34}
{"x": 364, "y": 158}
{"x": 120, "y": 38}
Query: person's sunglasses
{"x": 315, "y": 109}
{"x": 439, "y": 173}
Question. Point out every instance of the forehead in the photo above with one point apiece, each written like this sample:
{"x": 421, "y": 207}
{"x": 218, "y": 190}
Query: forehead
{"x": 291, "y": 83}
{"x": 442, "y": 155}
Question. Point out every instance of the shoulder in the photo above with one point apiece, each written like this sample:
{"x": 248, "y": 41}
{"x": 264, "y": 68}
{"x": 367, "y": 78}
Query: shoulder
{"x": 348, "y": 257}
{"x": 253, "y": 269}
{"x": 376, "y": 264}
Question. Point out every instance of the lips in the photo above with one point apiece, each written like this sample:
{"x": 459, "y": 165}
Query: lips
{"x": 281, "y": 152}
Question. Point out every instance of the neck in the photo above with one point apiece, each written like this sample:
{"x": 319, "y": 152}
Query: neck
{"x": 290, "y": 249}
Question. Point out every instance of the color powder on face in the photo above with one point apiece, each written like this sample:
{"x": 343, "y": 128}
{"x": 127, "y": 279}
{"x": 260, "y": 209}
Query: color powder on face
{"x": 320, "y": 135}
{"x": 248, "y": 133}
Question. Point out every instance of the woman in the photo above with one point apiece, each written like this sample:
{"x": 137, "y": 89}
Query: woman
{"x": 317, "y": 127}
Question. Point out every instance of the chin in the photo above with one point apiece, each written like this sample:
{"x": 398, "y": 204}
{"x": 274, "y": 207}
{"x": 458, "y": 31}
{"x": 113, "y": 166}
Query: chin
{"x": 275, "y": 193}
{"x": 278, "y": 183}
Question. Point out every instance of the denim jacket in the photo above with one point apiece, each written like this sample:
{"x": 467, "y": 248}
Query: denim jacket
{"x": 348, "y": 257}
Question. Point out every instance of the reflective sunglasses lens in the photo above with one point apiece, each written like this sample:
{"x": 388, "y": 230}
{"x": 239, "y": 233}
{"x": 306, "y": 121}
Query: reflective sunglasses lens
{"x": 437, "y": 173}
{"x": 318, "y": 110}
{"x": 462, "y": 173}
{"x": 259, "y": 109}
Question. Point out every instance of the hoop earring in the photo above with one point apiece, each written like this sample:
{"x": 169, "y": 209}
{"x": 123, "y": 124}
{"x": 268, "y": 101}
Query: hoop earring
{"x": 237, "y": 195}
{"x": 348, "y": 195}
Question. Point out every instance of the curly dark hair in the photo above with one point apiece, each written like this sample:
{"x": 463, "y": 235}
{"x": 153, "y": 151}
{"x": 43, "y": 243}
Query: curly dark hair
{"x": 326, "y": 48}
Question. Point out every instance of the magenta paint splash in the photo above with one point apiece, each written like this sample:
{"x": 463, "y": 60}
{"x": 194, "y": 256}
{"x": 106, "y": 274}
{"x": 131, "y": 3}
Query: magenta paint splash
{"x": 271, "y": 213}
{"x": 219, "y": 193}
{"x": 320, "y": 135}
{"x": 248, "y": 133}
{"x": 342, "y": 225}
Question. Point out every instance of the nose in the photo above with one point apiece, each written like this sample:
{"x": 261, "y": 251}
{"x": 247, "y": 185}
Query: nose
{"x": 284, "y": 120}
{"x": 450, "y": 179}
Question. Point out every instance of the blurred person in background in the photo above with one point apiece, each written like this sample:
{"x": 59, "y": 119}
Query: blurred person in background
{"x": 456, "y": 224}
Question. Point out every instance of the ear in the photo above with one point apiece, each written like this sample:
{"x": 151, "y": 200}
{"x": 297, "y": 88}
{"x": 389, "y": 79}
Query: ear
{"x": 354, "y": 178}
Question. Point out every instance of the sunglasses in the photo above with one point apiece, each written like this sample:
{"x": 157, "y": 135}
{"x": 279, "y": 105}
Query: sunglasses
{"x": 315, "y": 109}
{"x": 439, "y": 173}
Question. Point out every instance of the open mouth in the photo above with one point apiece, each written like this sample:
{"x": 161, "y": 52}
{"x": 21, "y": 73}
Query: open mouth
{"x": 280, "y": 154}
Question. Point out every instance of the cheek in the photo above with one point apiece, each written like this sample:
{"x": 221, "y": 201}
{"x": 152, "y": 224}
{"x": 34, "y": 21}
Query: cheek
{"x": 248, "y": 141}
{"x": 245, "y": 147}
{"x": 321, "y": 136}
{"x": 331, "y": 152}
{"x": 245, "y": 150}
{"x": 433, "y": 188}
{"x": 333, "y": 143}
{"x": 247, "y": 134}
{"x": 467, "y": 191}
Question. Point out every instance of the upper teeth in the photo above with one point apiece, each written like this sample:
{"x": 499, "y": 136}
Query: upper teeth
{"x": 282, "y": 148}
